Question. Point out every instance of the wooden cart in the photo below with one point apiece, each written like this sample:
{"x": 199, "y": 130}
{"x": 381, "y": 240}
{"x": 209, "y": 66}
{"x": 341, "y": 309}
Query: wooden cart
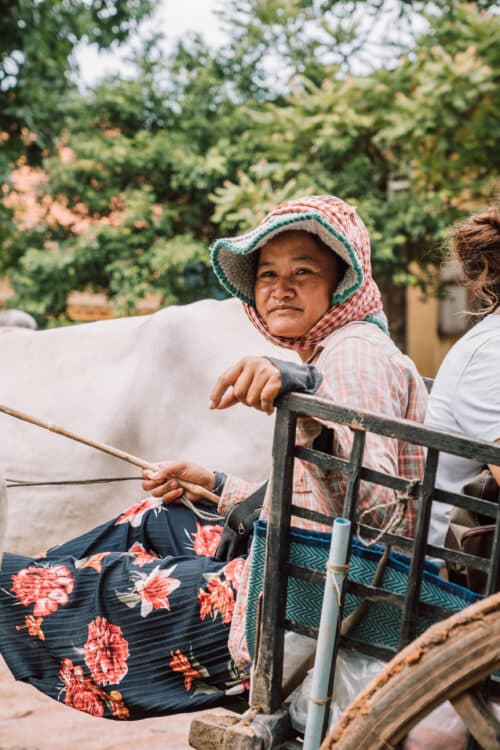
{"x": 449, "y": 661}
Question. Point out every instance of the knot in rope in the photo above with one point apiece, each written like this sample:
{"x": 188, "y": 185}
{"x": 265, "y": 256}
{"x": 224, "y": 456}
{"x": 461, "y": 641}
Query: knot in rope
{"x": 399, "y": 504}
{"x": 332, "y": 568}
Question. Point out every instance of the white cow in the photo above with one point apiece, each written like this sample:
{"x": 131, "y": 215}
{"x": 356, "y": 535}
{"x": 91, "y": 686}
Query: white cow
{"x": 140, "y": 384}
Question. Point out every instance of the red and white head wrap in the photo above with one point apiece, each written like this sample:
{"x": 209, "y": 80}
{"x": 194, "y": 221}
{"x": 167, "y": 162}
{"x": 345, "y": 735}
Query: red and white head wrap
{"x": 337, "y": 224}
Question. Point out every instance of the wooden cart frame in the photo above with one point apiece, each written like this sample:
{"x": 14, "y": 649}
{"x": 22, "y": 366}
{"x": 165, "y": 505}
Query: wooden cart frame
{"x": 267, "y": 681}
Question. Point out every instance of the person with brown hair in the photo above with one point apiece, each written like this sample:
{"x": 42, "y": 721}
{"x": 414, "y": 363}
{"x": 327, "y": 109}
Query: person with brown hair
{"x": 465, "y": 397}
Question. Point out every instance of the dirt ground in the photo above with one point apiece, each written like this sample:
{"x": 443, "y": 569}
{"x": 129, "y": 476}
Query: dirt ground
{"x": 31, "y": 721}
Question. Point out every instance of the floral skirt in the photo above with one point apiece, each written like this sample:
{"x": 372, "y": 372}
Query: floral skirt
{"x": 128, "y": 621}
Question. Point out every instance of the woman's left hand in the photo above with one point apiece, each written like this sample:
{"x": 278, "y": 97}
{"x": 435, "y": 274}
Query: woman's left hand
{"x": 163, "y": 482}
{"x": 253, "y": 381}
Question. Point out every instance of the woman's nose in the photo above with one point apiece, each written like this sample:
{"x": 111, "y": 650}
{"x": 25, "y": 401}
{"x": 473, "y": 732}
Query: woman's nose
{"x": 283, "y": 286}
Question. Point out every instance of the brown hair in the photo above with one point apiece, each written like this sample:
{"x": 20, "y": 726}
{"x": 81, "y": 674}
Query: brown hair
{"x": 476, "y": 248}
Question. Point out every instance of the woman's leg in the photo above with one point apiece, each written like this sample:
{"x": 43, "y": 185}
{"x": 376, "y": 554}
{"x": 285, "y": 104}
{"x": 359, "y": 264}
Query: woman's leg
{"x": 128, "y": 621}
{"x": 160, "y": 529}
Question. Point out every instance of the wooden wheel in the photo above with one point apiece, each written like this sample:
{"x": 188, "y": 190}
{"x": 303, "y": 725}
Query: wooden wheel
{"x": 447, "y": 662}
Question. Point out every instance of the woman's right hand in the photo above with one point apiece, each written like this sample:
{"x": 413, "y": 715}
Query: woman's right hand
{"x": 163, "y": 482}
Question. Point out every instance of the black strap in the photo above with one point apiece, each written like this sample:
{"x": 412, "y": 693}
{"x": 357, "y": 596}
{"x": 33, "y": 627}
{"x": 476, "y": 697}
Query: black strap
{"x": 238, "y": 526}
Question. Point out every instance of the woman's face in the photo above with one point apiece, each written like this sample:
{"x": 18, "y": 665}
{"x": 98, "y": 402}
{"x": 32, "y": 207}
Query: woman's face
{"x": 295, "y": 280}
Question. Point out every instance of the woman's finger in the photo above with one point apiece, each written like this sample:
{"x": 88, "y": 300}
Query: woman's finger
{"x": 162, "y": 489}
{"x": 268, "y": 396}
{"x": 227, "y": 400}
{"x": 264, "y": 386}
{"x": 246, "y": 383}
{"x": 223, "y": 385}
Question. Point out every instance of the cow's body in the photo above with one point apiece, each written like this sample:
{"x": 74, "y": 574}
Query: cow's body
{"x": 140, "y": 384}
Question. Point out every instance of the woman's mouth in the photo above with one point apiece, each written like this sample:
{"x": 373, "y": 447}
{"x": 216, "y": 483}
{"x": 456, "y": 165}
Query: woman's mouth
{"x": 284, "y": 309}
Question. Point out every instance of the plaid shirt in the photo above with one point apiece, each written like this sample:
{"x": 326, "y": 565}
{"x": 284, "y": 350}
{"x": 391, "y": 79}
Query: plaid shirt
{"x": 362, "y": 368}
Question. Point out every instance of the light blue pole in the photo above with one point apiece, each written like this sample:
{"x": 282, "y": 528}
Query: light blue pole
{"x": 317, "y": 700}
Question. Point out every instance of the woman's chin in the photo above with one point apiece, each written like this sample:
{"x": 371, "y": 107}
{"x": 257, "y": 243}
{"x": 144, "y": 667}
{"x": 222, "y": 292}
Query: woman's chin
{"x": 286, "y": 332}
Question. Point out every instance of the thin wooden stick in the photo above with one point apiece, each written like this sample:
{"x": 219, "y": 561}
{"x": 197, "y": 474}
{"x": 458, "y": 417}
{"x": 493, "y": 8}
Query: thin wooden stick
{"x": 198, "y": 489}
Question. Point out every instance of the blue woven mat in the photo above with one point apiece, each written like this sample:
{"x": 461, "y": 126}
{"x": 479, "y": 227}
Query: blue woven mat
{"x": 381, "y": 623}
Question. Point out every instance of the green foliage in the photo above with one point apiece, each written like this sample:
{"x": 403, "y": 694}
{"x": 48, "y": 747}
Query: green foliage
{"x": 427, "y": 126}
{"x": 37, "y": 39}
{"x": 147, "y": 172}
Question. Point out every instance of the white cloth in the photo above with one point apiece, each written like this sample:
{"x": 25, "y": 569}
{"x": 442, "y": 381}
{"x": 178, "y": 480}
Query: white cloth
{"x": 465, "y": 399}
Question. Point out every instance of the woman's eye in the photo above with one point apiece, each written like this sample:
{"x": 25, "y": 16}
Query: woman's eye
{"x": 266, "y": 275}
{"x": 301, "y": 271}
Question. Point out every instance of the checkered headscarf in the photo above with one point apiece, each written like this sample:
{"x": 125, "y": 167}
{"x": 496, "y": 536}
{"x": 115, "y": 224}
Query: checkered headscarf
{"x": 337, "y": 224}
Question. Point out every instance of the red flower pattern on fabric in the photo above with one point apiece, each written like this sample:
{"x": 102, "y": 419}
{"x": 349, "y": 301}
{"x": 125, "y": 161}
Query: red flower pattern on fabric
{"x": 206, "y": 539}
{"x": 233, "y": 571}
{"x": 218, "y": 598}
{"x": 134, "y": 514}
{"x": 46, "y": 587}
{"x": 84, "y": 695}
{"x": 155, "y": 589}
{"x": 81, "y": 692}
{"x": 142, "y": 556}
{"x": 106, "y": 652}
{"x": 180, "y": 663}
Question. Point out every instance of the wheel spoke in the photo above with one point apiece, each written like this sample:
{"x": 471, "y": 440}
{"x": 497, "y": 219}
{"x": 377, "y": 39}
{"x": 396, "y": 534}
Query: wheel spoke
{"x": 474, "y": 712}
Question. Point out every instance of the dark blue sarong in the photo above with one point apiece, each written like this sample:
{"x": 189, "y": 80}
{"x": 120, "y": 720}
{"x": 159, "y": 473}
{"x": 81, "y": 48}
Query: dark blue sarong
{"x": 128, "y": 621}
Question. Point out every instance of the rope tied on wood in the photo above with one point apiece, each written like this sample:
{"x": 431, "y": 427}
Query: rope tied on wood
{"x": 399, "y": 509}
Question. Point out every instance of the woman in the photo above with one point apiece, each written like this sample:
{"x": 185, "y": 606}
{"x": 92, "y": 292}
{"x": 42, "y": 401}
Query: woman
{"x": 465, "y": 397}
{"x": 138, "y": 618}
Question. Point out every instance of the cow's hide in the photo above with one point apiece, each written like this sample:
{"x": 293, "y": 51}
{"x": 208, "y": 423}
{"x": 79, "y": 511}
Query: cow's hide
{"x": 140, "y": 384}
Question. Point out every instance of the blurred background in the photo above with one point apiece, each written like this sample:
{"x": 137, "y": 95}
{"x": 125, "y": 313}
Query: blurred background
{"x": 135, "y": 132}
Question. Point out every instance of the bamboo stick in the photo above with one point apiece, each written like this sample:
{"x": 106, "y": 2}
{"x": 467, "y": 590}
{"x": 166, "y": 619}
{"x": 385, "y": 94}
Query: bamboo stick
{"x": 116, "y": 452}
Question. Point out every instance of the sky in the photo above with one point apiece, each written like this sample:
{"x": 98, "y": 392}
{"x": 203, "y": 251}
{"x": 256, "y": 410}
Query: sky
{"x": 174, "y": 18}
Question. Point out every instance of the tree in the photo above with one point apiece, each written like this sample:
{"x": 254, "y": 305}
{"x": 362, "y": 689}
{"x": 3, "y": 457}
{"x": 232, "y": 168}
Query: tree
{"x": 430, "y": 121}
{"x": 427, "y": 124}
{"x": 37, "y": 39}
{"x": 123, "y": 204}
{"x": 147, "y": 172}
{"x": 273, "y": 41}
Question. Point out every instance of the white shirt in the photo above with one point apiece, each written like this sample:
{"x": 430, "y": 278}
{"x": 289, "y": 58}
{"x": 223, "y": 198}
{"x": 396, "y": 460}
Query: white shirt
{"x": 465, "y": 399}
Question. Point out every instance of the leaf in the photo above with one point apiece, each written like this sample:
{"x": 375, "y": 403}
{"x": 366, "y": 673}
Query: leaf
{"x": 130, "y": 598}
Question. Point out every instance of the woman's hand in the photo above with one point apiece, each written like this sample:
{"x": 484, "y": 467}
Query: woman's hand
{"x": 253, "y": 381}
{"x": 163, "y": 483}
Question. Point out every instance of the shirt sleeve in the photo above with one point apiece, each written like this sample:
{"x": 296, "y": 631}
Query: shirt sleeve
{"x": 477, "y": 398}
{"x": 297, "y": 377}
{"x": 235, "y": 490}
